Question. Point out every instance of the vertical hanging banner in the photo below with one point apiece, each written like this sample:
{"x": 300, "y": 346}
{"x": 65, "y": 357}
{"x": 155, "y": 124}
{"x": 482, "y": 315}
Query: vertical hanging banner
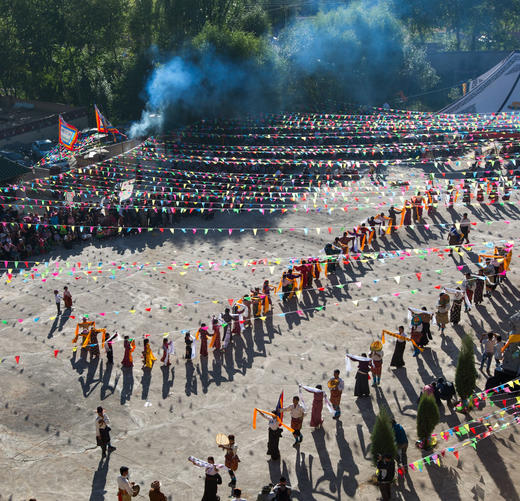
{"x": 103, "y": 125}
{"x": 67, "y": 134}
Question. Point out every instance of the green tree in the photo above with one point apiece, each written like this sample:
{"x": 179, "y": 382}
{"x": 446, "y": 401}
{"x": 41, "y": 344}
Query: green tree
{"x": 466, "y": 374}
{"x": 345, "y": 54}
{"x": 382, "y": 436}
{"x": 427, "y": 418}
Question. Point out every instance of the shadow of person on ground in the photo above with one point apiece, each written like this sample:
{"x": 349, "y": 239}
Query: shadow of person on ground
{"x": 346, "y": 468}
{"x": 128, "y": 384}
{"x": 146, "y": 379}
{"x": 106, "y": 388}
{"x": 99, "y": 480}
{"x": 191, "y": 380}
{"x": 167, "y": 384}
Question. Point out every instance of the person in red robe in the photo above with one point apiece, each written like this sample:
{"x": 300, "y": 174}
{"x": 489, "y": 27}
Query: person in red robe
{"x": 129, "y": 348}
{"x": 67, "y": 298}
{"x": 216, "y": 334}
{"x": 305, "y": 271}
{"x": 203, "y": 331}
{"x": 317, "y": 407}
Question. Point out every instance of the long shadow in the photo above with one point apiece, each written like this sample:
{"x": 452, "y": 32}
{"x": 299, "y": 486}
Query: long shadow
{"x": 191, "y": 380}
{"x": 493, "y": 462}
{"x": 79, "y": 362}
{"x": 89, "y": 379}
{"x": 128, "y": 384}
{"x": 366, "y": 408}
{"x": 347, "y": 469}
{"x": 328, "y": 473}
{"x": 54, "y": 328}
{"x": 106, "y": 388}
{"x": 65, "y": 317}
{"x": 304, "y": 476}
{"x": 99, "y": 480}
{"x": 167, "y": 383}
{"x": 445, "y": 481}
{"x": 409, "y": 389}
{"x": 146, "y": 379}
{"x": 202, "y": 371}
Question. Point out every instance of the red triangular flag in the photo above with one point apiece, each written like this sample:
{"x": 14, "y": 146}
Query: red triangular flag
{"x": 17, "y": 358}
{"x": 437, "y": 286}
{"x": 230, "y": 301}
{"x": 456, "y": 454}
{"x": 418, "y": 275}
{"x": 56, "y": 353}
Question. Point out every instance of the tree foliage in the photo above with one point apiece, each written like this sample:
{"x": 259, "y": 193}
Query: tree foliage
{"x": 382, "y": 436}
{"x": 104, "y": 50}
{"x": 427, "y": 418}
{"x": 466, "y": 374}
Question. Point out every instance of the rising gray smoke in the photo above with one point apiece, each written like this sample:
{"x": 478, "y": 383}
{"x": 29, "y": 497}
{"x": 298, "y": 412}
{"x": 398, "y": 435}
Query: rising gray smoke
{"x": 360, "y": 53}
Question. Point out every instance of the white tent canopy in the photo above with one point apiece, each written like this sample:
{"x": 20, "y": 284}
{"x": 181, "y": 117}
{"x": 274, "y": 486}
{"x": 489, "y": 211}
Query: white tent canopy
{"x": 497, "y": 90}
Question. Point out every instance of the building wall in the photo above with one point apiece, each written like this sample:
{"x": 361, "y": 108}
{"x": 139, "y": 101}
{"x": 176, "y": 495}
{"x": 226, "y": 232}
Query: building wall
{"x": 44, "y": 132}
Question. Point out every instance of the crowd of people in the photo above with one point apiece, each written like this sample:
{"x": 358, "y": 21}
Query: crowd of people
{"x": 258, "y": 303}
{"x": 26, "y": 235}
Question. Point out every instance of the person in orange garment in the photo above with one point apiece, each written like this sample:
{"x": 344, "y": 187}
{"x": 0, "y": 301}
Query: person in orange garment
{"x": 148, "y": 356}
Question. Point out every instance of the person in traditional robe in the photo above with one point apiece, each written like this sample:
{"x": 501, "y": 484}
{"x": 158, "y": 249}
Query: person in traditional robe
{"x": 317, "y": 407}
{"x": 416, "y": 333}
{"x": 336, "y": 386}
{"x": 480, "y": 283}
{"x": 148, "y": 356}
{"x": 304, "y": 271}
{"x": 489, "y": 272}
{"x": 275, "y": 432}
{"x": 231, "y": 459}
{"x": 433, "y": 198}
{"x": 215, "y": 341}
{"x": 188, "y": 340}
{"x": 361, "y": 388}
{"x": 288, "y": 284}
{"x": 418, "y": 206}
{"x": 376, "y": 354}
{"x": 125, "y": 487}
{"x": 227, "y": 318}
{"x": 469, "y": 286}
{"x": 392, "y": 215}
{"x": 426, "y": 319}
{"x": 407, "y": 214}
{"x": 456, "y": 306}
{"x": 400, "y": 344}
{"x": 109, "y": 349}
{"x": 297, "y": 413}
{"x": 256, "y": 302}
{"x": 443, "y": 307}
{"x": 67, "y": 298}
{"x": 155, "y": 493}
{"x": 167, "y": 348}
{"x": 454, "y": 238}
{"x": 203, "y": 332}
{"x": 93, "y": 345}
{"x": 103, "y": 432}
{"x": 266, "y": 299}
{"x": 129, "y": 346}
{"x": 211, "y": 482}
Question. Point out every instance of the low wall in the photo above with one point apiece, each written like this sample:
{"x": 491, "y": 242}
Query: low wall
{"x": 46, "y": 128}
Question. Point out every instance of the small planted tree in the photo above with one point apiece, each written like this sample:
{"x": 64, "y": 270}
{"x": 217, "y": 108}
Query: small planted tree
{"x": 382, "y": 436}
{"x": 427, "y": 419}
{"x": 466, "y": 374}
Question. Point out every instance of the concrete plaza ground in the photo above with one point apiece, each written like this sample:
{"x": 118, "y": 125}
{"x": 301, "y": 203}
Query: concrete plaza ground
{"x": 47, "y": 404}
